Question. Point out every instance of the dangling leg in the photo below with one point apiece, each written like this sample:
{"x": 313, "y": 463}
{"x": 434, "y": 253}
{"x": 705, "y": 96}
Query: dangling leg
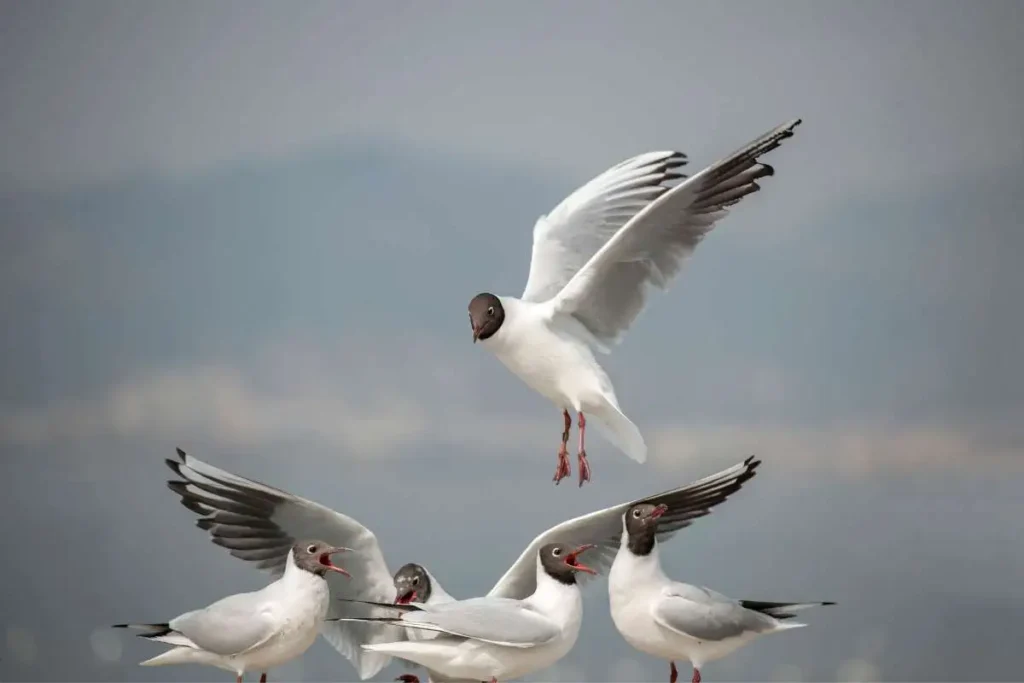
{"x": 238, "y": 679}
{"x": 584, "y": 466}
{"x": 263, "y": 677}
{"x": 562, "y": 470}
{"x": 408, "y": 678}
{"x": 696, "y": 675}
{"x": 673, "y": 675}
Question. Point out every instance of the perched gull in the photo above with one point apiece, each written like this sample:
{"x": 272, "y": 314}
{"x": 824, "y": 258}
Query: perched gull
{"x": 594, "y": 258}
{"x": 674, "y": 620}
{"x": 494, "y": 638}
{"x": 257, "y": 523}
{"x": 258, "y": 630}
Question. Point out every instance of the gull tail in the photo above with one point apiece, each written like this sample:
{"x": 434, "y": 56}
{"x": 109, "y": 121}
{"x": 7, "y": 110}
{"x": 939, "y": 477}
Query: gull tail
{"x": 782, "y": 610}
{"x": 618, "y": 429}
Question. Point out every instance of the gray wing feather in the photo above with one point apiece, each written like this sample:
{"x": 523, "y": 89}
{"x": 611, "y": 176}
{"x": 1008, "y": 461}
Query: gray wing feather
{"x": 491, "y": 620}
{"x": 703, "y": 614}
{"x": 609, "y": 291}
{"x": 604, "y": 527}
{"x": 259, "y": 523}
{"x": 229, "y": 626}
{"x": 566, "y": 239}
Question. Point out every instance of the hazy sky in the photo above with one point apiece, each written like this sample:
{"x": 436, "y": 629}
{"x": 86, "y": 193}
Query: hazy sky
{"x": 251, "y": 230}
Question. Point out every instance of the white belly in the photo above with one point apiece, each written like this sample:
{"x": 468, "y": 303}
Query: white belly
{"x": 555, "y": 365}
{"x": 300, "y": 625}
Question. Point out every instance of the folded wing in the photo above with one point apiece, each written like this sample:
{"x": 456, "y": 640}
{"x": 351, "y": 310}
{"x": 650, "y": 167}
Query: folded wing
{"x": 703, "y": 614}
{"x": 491, "y": 620}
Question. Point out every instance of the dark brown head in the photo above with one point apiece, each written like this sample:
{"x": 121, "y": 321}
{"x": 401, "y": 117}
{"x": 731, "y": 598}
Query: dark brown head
{"x": 560, "y": 563}
{"x": 486, "y": 315}
{"x": 315, "y": 557}
{"x": 642, "y": 525}
{"x": 412, "y": 584}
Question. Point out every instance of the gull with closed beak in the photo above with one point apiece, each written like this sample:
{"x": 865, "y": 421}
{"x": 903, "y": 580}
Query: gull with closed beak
{"x": 674, "y": 620}
{"x": 595, "y": 256}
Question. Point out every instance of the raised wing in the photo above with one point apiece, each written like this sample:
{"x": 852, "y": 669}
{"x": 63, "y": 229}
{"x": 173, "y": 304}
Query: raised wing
{"x": 227, "y": 627}
{"x": 610, "y": 290}
{"x": 604, "y": 527}
{"x": 258, "y": 523}
{"x": 703, "y": 614}
{"x": 491, "y": 620}
{"x": 565, "y": 239}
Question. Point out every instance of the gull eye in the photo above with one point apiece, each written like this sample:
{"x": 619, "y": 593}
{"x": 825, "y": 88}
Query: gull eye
{"x": 490, "y": 310}
{"x": 636, "y": 514}
{"x": 556, "y": 552}
{"x": 416, "y": 581}
{"x": 311, "y": 549}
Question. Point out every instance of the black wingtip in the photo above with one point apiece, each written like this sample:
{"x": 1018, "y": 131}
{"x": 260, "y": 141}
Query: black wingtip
{"x": 826, "y": 604}
{"x": 205, "y": 523}
{"x": 174, "y": 465}
{"x": 119, "y": 626}
{"x": 181, "y": 454}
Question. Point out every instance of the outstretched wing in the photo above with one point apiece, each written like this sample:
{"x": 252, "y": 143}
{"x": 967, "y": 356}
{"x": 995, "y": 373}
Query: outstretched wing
{"x": 258, "y": 523}
{"x": 610, "y": 290}
{"x": 604, "y": 527}
{"x": 565, "y": 239}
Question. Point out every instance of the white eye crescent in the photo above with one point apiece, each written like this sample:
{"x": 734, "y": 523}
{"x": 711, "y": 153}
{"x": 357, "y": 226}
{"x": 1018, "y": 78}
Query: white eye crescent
{"x": 311, "y": 549}
{"x": 556, "y": 552}
{"x": 636, "y": 513}
{"x": 416, "y": 581}
{"x": 490, "y": 310}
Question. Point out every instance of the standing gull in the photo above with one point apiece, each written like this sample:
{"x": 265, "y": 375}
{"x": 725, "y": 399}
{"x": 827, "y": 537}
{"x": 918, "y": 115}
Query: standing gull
{"x": 594, "y": 258}
{"x": 256, "y": 523}
{"x": 258, "y": 630}
{"x": 493, "y": 638}
{"x": 674, "y": 620}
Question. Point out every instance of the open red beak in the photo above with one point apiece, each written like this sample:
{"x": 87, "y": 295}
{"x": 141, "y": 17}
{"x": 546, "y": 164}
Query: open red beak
{"x": 572, "y": 561}
{"x": 659, "y": 511}
{"x": 406, "y": 598}
{"x": 325, "y": 560}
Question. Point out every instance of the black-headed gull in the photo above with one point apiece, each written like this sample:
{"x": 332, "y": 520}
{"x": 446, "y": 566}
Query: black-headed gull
{"x": 256, "y": 522}
{"x": 493, "y": 638}
{"x": 254, "y": 631}
{"x": 594, "y": 258}
{"x": 674, "y": 620}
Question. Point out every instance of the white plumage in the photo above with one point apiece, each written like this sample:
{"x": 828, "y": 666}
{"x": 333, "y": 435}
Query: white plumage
{"x": 594, "y": 259}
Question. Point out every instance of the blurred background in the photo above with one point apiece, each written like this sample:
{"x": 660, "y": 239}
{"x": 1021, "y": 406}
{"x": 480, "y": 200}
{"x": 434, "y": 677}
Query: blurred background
{"x": 251, "y": 229}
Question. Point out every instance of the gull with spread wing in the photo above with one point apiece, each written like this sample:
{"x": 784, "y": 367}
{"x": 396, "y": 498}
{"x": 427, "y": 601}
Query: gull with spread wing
{"x": 674, "y": 620}
{"x": 258, "y": 630}
{"x": 493, "y": 638}
{"x": 595, "y": 256}
{"x": 257, "y": 523}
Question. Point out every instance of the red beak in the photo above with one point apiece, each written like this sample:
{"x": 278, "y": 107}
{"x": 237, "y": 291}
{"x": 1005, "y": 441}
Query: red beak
{"x": 659, "y": 511}
{"x": 571, "y": 560}
{"x": 405, "y": 599}
{"x": 325, "y": 560}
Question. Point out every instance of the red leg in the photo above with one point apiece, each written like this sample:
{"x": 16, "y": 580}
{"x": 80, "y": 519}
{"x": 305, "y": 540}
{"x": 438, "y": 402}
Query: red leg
{"x": 263, "y": 677}
{"x": 562, "y": 470}
{"x": 584, "y": 466}
{"x": 238, "y": 679}
{"x": 696, "y": 675}
{"x": 408, "y": 678}
{"x": 673, "y": 674}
